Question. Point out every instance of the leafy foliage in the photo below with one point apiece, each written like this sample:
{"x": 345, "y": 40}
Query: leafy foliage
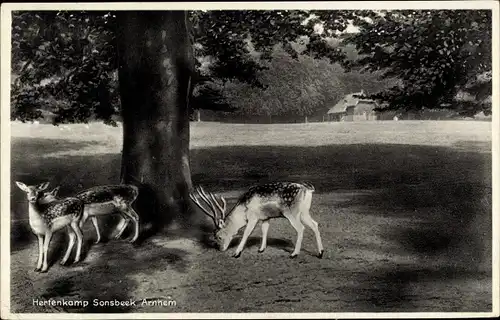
{"x": 69, "y": 57}
{"x": 64, "y": 57}
{"x": 435, "y": 53}
{"x": 308, "y": 87}
{"x": 65, "y": 62}
{"x": 239, "y": 43}
{"x": 226, "y": 34}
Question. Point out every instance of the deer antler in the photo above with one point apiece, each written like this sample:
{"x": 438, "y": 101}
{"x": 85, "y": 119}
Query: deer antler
{"x": 221, "y": 208}
{"x": 211, "y": 205}
{"x": 210, "y": 198}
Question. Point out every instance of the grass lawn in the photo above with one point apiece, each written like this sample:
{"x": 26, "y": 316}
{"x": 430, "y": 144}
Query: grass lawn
{"x": 404, "y": 211}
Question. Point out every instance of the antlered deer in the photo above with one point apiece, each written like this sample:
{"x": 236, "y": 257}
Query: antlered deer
{"x": 261, "y": 203}
{"x": 46, "y": 219}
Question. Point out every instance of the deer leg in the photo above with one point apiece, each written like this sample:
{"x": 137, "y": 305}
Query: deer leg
{"x": 308, "y": 221}
{"x": 96, "y": 227}
{"x": 84, "y": 219}
{"x": 299, "y": 227}
{"x": 135, "y": 217}
{"x": 265, "y": 229}
{"x": 122, "y": 225}
{"x": 46, "y": 242}
{"x": 248, "y": 230}
{"x": 79, "y": 239}
{"x": 40, "y": 253}
{"x": 71, "y": 244}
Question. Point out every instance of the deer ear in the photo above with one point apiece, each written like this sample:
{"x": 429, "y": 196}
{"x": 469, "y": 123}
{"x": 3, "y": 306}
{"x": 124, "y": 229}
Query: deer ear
{"x": 55, "y": 190}
{"x": 22, "y": 186}
{"x": 42, "y": 186}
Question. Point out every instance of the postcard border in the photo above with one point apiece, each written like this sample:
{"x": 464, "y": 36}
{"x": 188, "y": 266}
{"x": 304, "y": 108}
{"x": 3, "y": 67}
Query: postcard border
{"x": 5, "y": 37}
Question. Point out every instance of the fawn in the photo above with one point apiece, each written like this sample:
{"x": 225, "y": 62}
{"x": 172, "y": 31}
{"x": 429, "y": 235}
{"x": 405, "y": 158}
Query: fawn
{"x": 105, "y": 200}
{"x": 46, "y": 219}
{"x": 261, "y": 203}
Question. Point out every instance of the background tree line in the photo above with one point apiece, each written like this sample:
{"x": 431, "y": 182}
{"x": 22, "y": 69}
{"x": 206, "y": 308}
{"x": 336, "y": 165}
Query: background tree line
{"x": 277, "y": 63}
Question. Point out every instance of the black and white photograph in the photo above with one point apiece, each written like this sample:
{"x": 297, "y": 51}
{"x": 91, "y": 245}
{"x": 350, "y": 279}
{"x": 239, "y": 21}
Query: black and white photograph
{"x": 249, "y": 159}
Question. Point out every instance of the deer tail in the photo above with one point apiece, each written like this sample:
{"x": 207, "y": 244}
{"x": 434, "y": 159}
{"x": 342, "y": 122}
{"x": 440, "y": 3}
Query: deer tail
{"x": 308, "y": 186}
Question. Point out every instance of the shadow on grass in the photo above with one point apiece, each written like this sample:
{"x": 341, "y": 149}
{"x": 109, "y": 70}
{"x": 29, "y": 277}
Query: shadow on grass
{"x": 110, "y": 277}
{"x": 445, "y": 190}
{"x": 254, "y": 243}
{"x": 408, "y": 177}
{"x": 23, "y": 147}
{"x": 335, "y": 167}
{"x": 72, "y": 173}
{"x": 393, "y": 290}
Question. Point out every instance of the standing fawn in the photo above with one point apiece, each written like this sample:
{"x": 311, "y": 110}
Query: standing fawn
{"x": 46, "y": 219}
{"x": 106, "y": 200}
{"x": 261, "y": 203}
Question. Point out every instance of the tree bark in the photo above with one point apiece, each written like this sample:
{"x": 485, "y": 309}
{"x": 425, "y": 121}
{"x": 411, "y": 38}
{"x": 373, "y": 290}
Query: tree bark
{"x": 155, "y": 66}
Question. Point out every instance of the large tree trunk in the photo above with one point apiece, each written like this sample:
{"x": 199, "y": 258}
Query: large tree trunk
{"x": 155, "y": 66}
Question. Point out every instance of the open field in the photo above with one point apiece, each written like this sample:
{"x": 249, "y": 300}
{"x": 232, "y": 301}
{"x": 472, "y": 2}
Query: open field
{"x": 404, "y": 211}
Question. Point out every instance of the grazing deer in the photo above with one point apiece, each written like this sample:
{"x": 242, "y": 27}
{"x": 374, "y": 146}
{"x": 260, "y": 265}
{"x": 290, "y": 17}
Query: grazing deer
{"x": 261, "y": 203}
{"x": 46, "y": 219}
{"x": 105, "y": 200}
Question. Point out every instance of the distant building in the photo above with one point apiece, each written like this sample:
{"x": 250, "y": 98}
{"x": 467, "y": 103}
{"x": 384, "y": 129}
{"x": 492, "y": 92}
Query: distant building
{"x": 354, "y": 108}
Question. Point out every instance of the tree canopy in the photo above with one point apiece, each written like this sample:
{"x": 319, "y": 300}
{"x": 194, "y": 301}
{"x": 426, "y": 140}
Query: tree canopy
{"x": 65, "y": 61}
{"x": 62, "y": 61}
{"x": 437, "y": 55}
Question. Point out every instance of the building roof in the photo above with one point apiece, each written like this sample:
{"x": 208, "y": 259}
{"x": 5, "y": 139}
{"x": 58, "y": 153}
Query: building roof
{"x": 349, "y": 100}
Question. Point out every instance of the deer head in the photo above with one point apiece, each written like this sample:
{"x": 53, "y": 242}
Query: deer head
{"x": 33, "y": 193}
{"x": 216, "y": 210}
{"x": 49, "y": 196}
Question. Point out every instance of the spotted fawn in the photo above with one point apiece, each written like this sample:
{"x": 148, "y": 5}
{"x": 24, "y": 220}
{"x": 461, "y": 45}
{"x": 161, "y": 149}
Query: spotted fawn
{"x": 46, "y": 219}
